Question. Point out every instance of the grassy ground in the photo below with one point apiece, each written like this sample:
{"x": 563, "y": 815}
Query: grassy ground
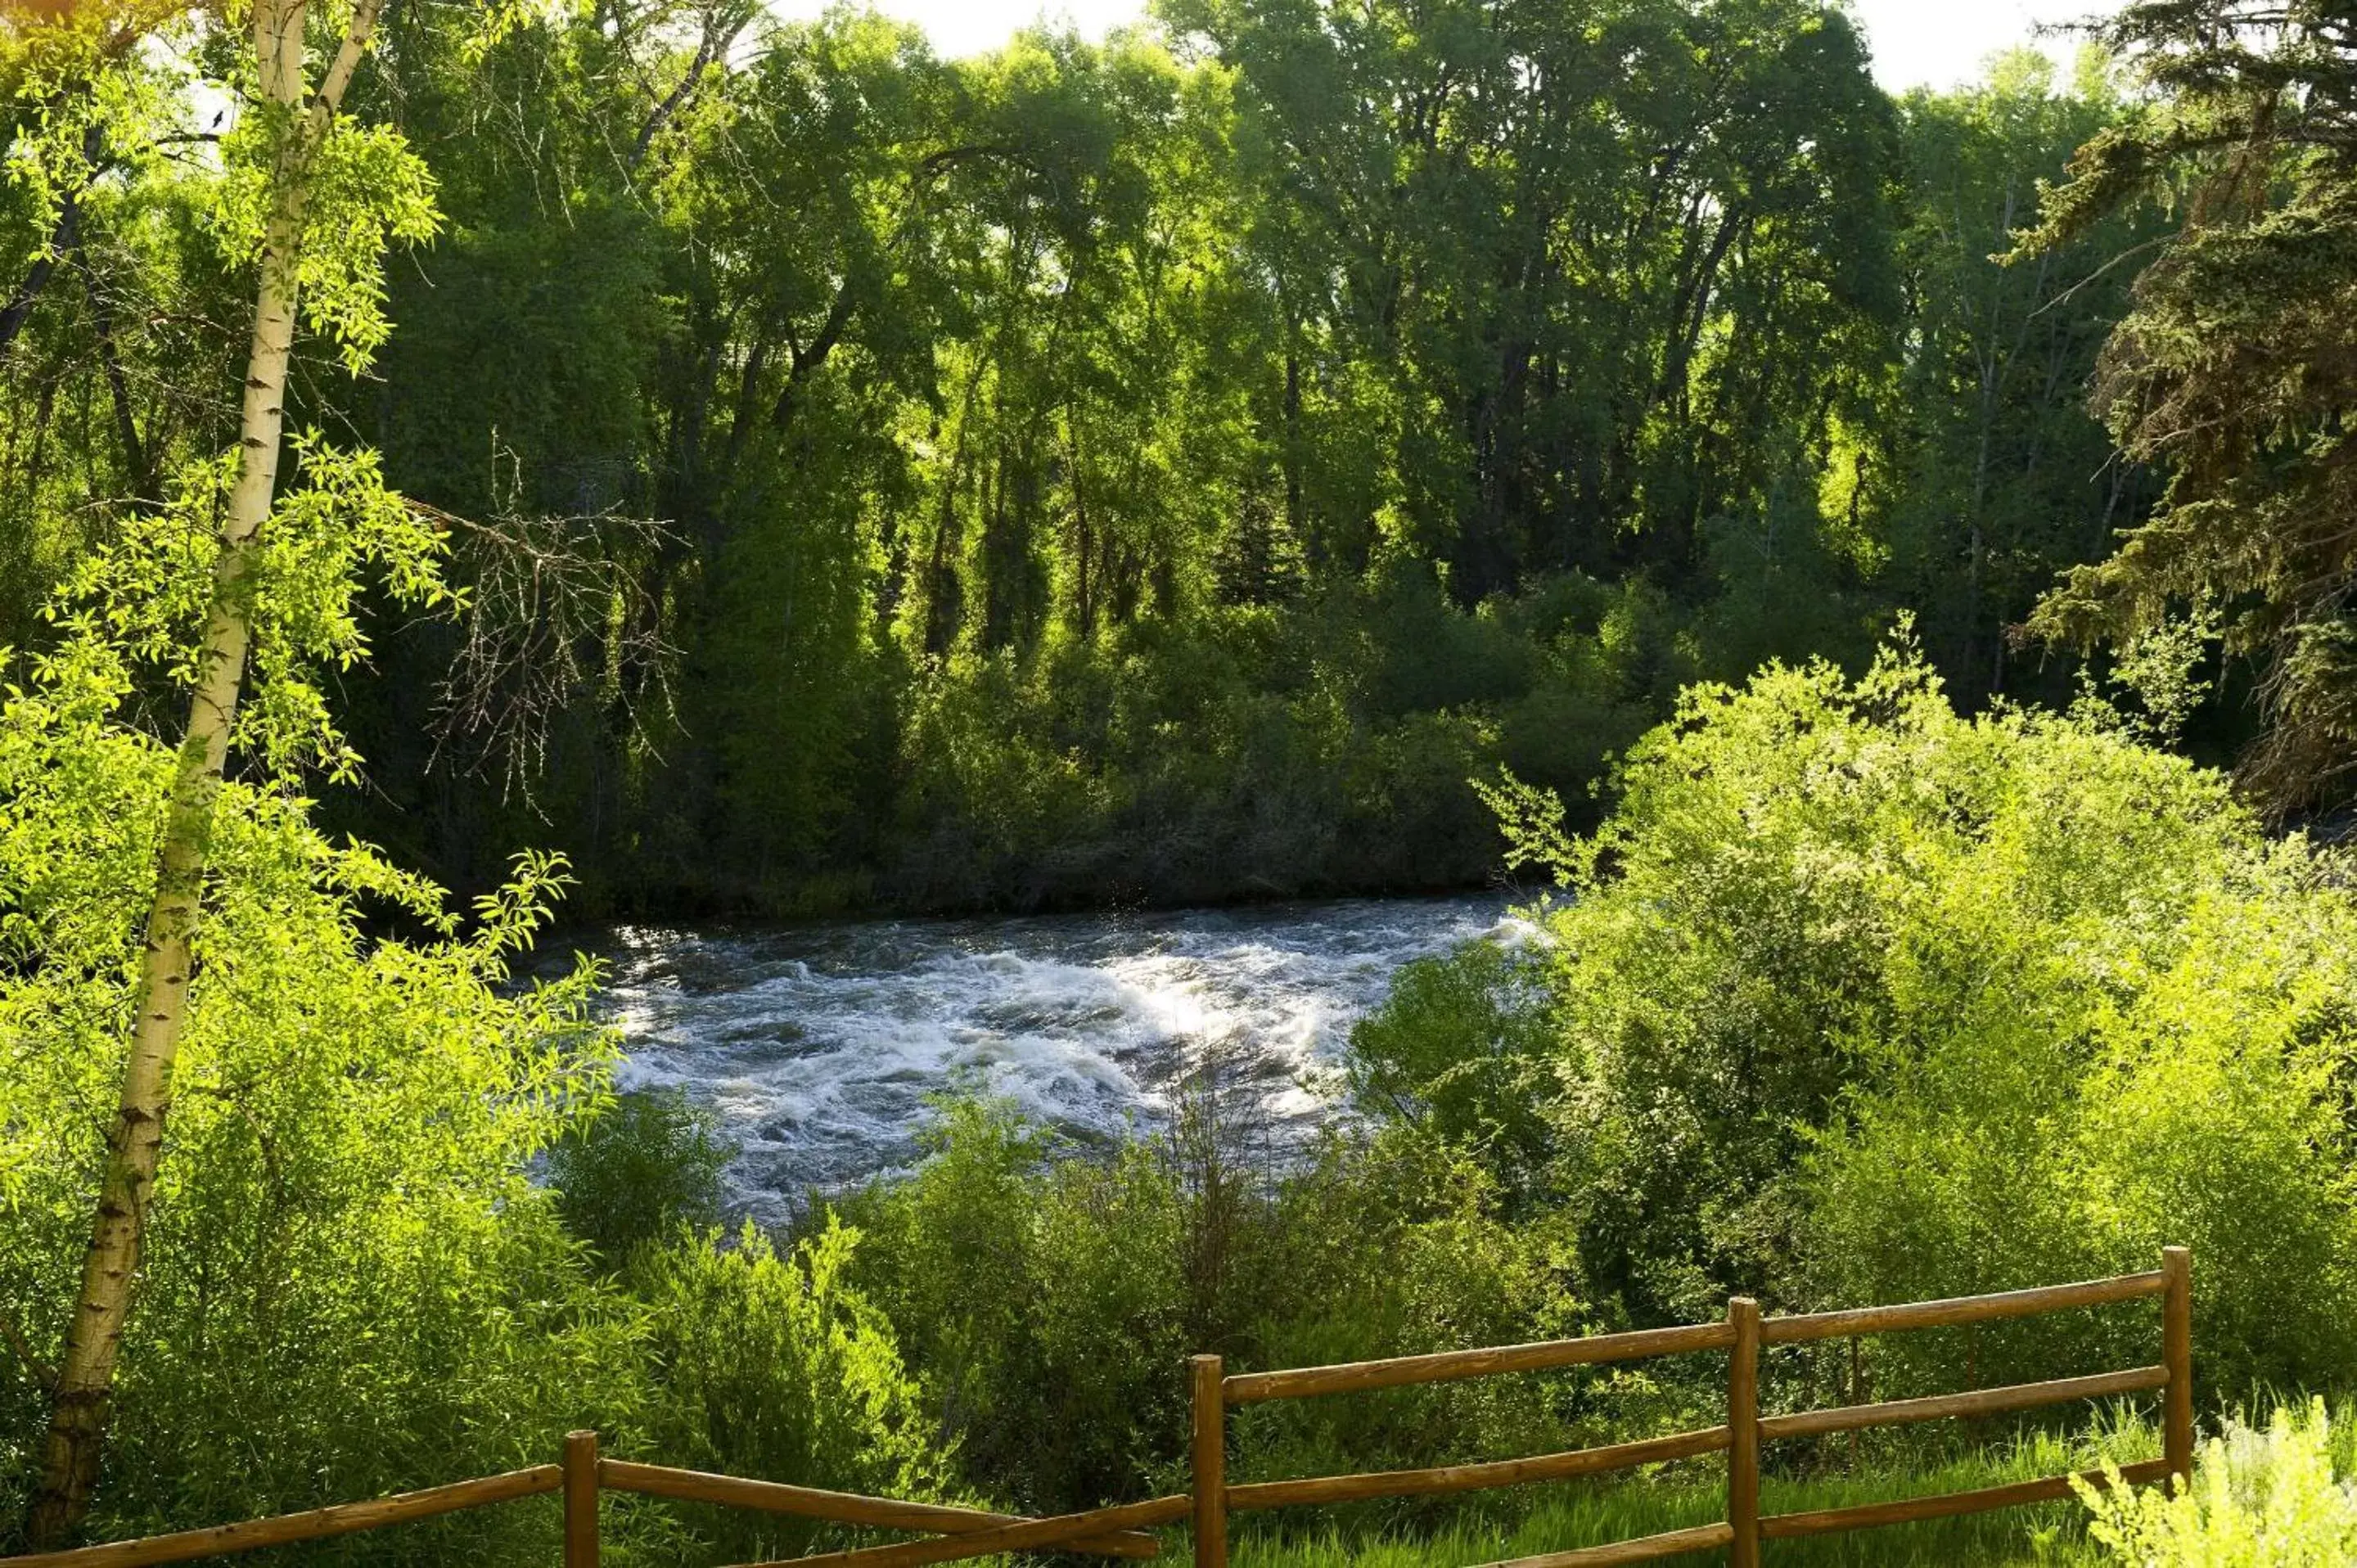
{"x": 2048, "y": 1535}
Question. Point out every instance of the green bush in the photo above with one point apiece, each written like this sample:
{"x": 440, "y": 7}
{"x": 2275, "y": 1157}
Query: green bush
{"x": 351, "y": 1284}
{"x": 1461, "y": 1047}
{"x": 1314, "y": 746}
{"x": 2259, "y": 1499}
{"x": 1401, "y": 1245}
{"x": 1854, "y": 999}
{"x": 638, "y": 1169}
{"x": 1047, "y": 1297}
{"x": 1041, "y": 1300}
{"x": 774, "y": 1366}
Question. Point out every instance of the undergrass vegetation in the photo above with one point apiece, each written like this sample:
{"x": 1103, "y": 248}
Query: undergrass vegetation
{"x": 2273, "y": 1492}
{"x": 1534, "y": 1520}
{"x": 2271, "y": 1495}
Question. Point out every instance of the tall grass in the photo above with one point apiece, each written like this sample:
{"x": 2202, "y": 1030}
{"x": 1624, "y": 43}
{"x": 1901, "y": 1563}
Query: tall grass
{"x": 1560, "y": 1519}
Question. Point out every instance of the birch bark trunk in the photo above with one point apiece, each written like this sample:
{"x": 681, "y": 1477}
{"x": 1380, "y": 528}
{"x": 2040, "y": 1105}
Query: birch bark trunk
{"x": 80, "y": 1398}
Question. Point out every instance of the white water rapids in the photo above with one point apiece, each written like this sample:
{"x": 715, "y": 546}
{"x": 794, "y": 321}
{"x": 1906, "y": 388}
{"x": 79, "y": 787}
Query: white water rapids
{"x": 817, "y": 1046}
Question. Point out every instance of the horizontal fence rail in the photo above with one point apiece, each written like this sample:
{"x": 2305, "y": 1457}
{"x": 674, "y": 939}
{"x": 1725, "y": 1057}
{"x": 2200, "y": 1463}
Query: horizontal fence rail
{"x": 1981, "y": 1401}
{"x": 316, "y": 1524}
{"x": 1947, "y": 1505}
{"x": 838, "y": 1508}
{"x": 958, "y": 1534}
{"x": 1676, "y": 1543}
{"x": 1249, "y": 1388}
{"x": 1255, "y": 1495}
{"x": 1962, "y": 1310}
{"x": 1026, "y": 1535}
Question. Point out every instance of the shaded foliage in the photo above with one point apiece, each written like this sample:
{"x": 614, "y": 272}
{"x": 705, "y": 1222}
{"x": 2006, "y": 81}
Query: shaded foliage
{"x": 2229, "y": 373}
{"x": 1168, "y": 467}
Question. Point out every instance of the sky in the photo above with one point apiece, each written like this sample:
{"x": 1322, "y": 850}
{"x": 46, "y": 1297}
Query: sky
{"x": 1942, "y": 43}
{"x": 1935, "y": 43}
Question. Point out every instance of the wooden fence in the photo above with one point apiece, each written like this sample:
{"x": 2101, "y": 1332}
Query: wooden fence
{"x": 957, "y": 1533}
{"x": 1740, "y": 1336}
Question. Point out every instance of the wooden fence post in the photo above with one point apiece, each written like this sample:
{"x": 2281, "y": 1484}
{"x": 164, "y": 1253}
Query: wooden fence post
{"x": 2176, "y": 1356}
{"x": 1743, "y": 1434}
{"x": 580, "y": 1499}
{"x": 1210, "y": 1455}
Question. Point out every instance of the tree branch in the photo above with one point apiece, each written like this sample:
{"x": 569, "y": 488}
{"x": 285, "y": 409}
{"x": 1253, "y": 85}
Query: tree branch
{"x": 43, "y": 1372}
{"x": 64, "y": 235}
{"x": 557, "y": 612}
{"x": 135, "y": 459}
{"x": 330, "y": 96}
{"x": 807, "y": 360}
{"x": 721, "y": 28}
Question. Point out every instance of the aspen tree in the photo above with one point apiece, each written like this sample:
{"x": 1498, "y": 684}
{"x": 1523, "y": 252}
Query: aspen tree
{"x": 299, "y": 123}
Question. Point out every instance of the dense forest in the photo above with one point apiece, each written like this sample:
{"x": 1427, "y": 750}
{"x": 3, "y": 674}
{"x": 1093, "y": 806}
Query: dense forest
{"x": 1879, "y": 570}
{"x": 1165, "y": 468}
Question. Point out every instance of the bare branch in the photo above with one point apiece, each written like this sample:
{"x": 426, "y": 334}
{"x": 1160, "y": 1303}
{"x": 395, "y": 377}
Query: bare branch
{"x": 557, "y": 615}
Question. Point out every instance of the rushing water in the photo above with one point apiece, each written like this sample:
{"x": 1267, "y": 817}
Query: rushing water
{"x": 817, "y": 1046}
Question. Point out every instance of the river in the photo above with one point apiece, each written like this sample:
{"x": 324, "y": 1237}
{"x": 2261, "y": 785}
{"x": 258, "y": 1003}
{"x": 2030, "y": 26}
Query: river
{"x": 817, "y": 1046}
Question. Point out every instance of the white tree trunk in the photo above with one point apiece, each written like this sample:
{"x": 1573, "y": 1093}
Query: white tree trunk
{"x": 79, "y": 1399}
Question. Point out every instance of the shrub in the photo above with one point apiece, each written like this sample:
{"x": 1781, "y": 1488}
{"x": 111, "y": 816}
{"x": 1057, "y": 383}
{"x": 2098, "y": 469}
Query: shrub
{"x": 1393, "y": 1246}
{"x": 775, "y": 1367}
{"x": 1048, "y": 1296}
{"x": 2258, "y": 1500}
{"x": 1309, "y": 746}
{"x": 1039, "y": 1297}
{"x": 349, "y": 1283}
{"x": 1856, "y": 999}
{"x": 638, "y": 1170}
{"x": 1461, "y": 1047}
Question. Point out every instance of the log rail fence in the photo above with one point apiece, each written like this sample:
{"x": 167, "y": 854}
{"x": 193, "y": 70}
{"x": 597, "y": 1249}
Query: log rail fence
{"x": 958, "y": 1534}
